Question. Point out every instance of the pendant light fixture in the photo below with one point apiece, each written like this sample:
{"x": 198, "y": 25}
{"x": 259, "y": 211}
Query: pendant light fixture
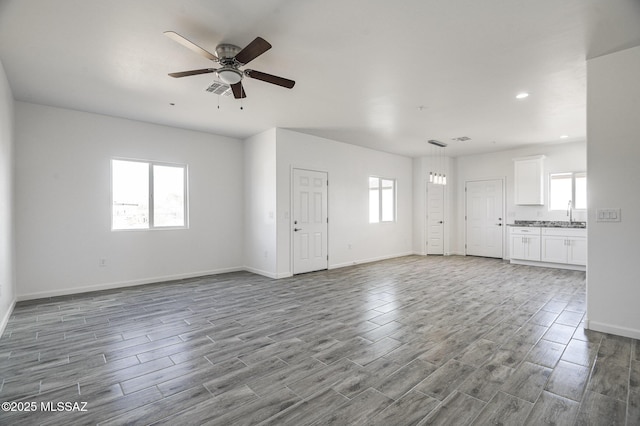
{"x": 438, "y": 177}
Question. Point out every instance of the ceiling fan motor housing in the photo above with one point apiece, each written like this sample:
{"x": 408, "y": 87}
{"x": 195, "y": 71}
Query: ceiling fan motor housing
{"x": 229, "y": 72}
{"x": 226, "y": 51}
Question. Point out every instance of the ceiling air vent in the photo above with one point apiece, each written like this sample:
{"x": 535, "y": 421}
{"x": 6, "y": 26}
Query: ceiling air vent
{"x": 218, "y": 88}
{"x": 461, "y": 139}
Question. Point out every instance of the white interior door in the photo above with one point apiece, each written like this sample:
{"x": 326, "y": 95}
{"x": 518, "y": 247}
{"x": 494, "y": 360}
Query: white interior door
{"x": 484, "y": 210}
{"x": 435, "y": 219}
{"x": 310, "y": 224}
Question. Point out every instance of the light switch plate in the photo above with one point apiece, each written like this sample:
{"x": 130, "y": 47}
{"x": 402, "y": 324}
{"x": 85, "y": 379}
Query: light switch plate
{"x": 608, "y": 215}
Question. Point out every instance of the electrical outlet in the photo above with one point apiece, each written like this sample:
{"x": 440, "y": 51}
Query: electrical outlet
{"x": 102, "y": 262}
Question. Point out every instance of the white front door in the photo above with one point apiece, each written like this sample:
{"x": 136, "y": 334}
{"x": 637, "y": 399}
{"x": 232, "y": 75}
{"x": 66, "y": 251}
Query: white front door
{"x": 310, "y": 226}
{"x": 435, "y": 219}
{"x": 484, "y": 210}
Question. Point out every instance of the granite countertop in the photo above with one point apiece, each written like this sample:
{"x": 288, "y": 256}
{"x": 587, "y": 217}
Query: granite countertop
{"x": 549, "y": 224}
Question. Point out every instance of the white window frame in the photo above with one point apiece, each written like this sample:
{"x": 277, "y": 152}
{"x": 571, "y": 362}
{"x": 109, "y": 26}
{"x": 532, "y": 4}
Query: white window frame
{"x": 572, "y": 176}
{"x": 380, "y": 205}
{"x": 151, "y": 205}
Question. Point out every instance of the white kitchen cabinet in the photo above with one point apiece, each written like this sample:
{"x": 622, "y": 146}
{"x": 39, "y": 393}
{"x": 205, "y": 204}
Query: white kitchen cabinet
{"x": 566, "y": 246}
{"x": 577, "y": 251}
{"x": 529, "y": 180}
{"x": 554, "y": 249}
{"x": 525, "y": 243}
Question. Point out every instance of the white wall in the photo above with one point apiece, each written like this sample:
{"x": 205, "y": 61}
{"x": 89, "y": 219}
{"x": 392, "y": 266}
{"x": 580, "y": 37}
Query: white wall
{"x": 565, "y": 157}
{"x": 63, "y": 203}
{"x": 260, "y": 204}
{"x": 349, "y": 168}
{"x": 7, "y": 274}
{"x": 613, "y": 133}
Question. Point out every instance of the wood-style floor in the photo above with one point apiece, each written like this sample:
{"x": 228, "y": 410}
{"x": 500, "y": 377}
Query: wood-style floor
{"x": 414, "y": 340}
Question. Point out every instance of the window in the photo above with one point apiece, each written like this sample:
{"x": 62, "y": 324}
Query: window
{"x": 565, "y": 188}
{"x": 382, "y": 200}
{"x": 148, "y": 195}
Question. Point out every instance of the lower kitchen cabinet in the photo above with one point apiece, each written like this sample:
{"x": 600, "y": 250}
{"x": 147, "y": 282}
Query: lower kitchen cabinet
{"x": 568, "y": 246}
{"x": 551, "y": 247}
{"x": 525, "y": 243}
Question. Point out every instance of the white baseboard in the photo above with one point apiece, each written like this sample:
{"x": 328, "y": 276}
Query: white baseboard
{"x": 122, "y": 284}
{"x": 447, "y": 253}
{"x": 268, "y": 274}
{"x": 5, "y": 318}
{"x": 260, "y": 272}
{"x": 373, "y": 259}
{"x": 284, "y": 275}
{"x": 612, "y": 329}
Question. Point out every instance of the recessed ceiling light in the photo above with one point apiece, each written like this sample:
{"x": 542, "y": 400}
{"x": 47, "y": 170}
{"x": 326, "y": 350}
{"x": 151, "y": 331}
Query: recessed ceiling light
{"x": 522, "y": 95}
{"x": 564, "y": 136}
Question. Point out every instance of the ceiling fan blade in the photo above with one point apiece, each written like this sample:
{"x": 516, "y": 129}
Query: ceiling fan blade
{"x": 190, "y": 45}
{"x": 238, "y": 91}
{"x": 254, "y": 49}
{"x": 192, "y": 72}
{"x": 273, "y": 79}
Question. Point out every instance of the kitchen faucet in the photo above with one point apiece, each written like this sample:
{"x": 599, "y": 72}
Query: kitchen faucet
{"x": 570, "y": 212}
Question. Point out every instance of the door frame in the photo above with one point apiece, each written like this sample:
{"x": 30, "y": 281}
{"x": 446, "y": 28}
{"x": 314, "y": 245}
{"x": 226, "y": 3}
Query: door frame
{"x": 291, "y": 207}
{"x": 426, "y": 219}
{"x": 502, "y": 179}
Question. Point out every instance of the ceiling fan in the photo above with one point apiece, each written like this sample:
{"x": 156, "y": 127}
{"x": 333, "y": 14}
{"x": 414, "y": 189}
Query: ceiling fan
{"x": 231, "y": 58}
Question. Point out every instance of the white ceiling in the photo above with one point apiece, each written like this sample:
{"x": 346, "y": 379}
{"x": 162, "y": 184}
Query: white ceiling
{"x": 389, "y": 75}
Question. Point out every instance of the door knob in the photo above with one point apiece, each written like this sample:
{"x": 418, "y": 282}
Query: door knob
{"x": 441, "y": 222}
{"x": 499, "y": 224}
{"x": 297, "y": 229}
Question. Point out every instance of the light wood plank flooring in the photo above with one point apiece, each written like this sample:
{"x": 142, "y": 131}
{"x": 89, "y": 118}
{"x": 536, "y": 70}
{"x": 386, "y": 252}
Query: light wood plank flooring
{"x": 408, "y": 341}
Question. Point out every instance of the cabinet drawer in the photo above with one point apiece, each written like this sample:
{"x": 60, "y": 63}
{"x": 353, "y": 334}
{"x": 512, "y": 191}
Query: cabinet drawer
{"x": 524, "y": 230}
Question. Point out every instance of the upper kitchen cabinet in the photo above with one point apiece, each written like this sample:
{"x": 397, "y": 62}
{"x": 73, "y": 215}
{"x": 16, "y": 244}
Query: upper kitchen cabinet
{"x": 529, "y": 180}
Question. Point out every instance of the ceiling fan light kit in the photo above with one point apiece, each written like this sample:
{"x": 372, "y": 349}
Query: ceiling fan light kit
{"x": 231, "y": 57}
{"x": 229, "y": 75}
